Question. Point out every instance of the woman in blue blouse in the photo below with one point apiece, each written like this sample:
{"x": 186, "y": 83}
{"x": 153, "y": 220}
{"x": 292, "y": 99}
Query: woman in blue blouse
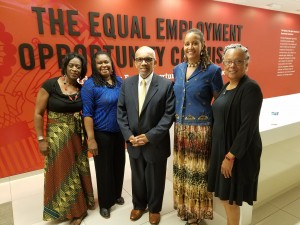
{"x": 197, "y": 81}
{"x": 105, "y": 141}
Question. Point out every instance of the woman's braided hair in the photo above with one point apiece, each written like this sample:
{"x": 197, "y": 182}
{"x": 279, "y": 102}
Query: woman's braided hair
{"x": 204, "y": 56}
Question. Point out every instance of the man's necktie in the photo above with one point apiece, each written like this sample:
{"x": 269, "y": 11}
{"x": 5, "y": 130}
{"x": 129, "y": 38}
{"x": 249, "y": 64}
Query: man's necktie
{"x": 142, "y": 95}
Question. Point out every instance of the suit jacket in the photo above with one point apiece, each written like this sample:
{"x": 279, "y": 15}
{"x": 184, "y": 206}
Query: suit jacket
{"x": 155, "y": 120}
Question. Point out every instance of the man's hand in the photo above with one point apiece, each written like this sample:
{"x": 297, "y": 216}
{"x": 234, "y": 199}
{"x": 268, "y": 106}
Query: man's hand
{"x": 139, "y": 140}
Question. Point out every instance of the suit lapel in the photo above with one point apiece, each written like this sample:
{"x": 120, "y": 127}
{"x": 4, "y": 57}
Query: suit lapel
{"x": 151, "y": 92}
{"x": 183, "y": 70}
{"x": 195, "y": 73}
{"x": 135, "y": 92}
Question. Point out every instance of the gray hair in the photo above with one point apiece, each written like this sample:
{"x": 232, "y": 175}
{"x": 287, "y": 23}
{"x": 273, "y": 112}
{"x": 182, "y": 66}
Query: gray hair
{"x": 237, "y": 46}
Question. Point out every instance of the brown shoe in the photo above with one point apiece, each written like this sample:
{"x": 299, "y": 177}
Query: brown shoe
{"x": 136, "y": 214}
{"x": 154, "y": 218}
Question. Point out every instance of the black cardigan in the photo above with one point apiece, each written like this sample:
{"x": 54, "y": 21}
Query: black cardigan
{"x": 242, "y": 137}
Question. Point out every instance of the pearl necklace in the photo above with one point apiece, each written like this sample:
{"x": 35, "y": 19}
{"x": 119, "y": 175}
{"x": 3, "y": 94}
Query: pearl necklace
{"x": 193, "y": 64}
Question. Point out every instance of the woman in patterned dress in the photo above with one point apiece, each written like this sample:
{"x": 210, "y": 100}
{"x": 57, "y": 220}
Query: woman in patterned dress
{"x": 68, "y": 191}
{"x": 197, "y": 81}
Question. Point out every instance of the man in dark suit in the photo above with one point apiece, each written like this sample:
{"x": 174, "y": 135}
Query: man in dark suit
{"x": 145, "y": 126}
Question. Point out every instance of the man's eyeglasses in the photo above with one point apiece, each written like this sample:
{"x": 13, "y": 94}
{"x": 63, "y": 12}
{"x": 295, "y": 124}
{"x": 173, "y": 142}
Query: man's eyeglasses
{"x": 235, "y": 62}
{"x": 147, "y": 60}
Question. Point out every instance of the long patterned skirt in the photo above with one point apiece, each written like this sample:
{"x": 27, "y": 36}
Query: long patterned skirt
{"x": 68, "y": 190}
{"x": 192, "y": 147}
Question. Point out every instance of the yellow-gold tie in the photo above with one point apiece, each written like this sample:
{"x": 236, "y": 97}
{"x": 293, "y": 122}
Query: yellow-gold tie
{"x": 142, "y": 95}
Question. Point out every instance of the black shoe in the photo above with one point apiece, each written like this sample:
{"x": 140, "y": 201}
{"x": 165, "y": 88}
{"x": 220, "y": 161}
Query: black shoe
{"x": 120, "y": 201}
{"x": 105, "y": 212}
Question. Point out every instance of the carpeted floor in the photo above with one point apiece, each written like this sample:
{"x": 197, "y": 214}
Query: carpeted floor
{"x": 6, "y": 214}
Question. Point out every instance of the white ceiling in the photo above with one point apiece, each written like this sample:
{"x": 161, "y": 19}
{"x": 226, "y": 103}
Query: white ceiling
{"x": 288, "y": 6}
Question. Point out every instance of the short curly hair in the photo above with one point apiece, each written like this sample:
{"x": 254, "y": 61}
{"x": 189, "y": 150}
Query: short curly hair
{"x": 237, "y": 46}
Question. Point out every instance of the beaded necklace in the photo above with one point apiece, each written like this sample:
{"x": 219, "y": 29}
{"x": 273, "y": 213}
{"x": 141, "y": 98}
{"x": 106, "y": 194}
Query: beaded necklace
{"x": 193, "y": 64}
{"x": 66, "y": 85}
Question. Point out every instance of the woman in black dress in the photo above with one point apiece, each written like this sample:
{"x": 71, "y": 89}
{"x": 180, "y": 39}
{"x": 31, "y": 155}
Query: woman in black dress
{"x": 236, "y": 143}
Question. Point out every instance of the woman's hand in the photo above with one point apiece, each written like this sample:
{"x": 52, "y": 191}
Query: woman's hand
{"x": 43, "y": 147}
{"x": 226, "y": 167}
{"x": 92, "y": 146}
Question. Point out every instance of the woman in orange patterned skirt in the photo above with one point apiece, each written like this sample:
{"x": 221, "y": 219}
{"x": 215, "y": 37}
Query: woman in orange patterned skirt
{"x": 197, "y": 81}
{"x": 68, "y": 191}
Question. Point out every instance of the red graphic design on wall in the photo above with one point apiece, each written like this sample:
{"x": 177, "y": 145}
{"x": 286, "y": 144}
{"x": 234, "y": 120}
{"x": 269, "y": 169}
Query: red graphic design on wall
{"x": 35, "y": 35}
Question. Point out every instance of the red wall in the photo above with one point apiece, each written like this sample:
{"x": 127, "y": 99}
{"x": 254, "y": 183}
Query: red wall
{"x": 29, "y": 54}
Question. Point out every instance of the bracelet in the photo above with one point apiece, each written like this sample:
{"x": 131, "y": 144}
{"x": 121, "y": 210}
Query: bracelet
{"x": 40, "y": 138}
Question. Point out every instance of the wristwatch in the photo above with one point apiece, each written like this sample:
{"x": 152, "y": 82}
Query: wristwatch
{"x": 40, "y": 138}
